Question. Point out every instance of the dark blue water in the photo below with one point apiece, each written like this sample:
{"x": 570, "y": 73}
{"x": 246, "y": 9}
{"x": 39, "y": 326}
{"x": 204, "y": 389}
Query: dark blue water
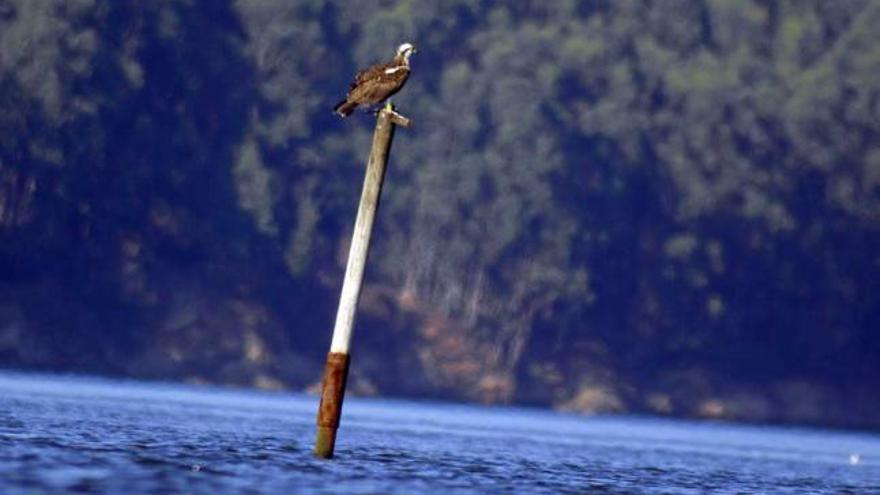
{"x": 60, "y": 434}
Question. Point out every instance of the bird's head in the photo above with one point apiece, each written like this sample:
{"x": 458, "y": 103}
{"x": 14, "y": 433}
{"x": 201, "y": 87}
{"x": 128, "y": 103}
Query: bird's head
{"x": 405, "y": 50}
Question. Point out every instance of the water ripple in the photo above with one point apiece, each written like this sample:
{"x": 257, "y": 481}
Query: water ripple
{"x": 142, "y": 438}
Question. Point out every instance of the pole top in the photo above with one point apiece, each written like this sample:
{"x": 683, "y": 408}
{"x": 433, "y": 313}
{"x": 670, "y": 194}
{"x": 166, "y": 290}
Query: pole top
{"x": 394, "y": 117}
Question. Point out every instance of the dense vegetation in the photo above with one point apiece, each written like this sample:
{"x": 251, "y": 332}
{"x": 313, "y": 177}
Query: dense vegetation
{"x": 667, "y": 206}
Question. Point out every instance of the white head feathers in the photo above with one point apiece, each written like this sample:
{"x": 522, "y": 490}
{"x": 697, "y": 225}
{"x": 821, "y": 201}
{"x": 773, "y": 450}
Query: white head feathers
{"x": 405, "y": 50}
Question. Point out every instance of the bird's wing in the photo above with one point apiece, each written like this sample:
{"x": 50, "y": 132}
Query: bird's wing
{"x": 373, "y": 72}
{"x": 380, "y": 86}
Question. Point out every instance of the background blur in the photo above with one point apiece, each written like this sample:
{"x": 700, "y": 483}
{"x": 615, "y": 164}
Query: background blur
{"x": 666, "y": 207}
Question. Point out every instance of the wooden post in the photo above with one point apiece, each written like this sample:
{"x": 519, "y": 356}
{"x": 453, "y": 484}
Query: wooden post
{"x": 336, "y": 369}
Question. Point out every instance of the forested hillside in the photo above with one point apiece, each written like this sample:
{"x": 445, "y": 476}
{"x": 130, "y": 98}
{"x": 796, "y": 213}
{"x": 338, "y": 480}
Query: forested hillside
{"x": 669, "y": 206}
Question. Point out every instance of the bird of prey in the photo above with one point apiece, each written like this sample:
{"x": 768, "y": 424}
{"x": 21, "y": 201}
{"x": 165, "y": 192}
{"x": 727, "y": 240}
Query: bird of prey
{"x": 376, "y": 84}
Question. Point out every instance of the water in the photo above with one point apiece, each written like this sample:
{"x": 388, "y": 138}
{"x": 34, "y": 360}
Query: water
{"x": 63, "y": 434}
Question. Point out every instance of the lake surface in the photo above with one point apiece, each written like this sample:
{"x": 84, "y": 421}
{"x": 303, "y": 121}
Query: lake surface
{"x": 87, "y": 435}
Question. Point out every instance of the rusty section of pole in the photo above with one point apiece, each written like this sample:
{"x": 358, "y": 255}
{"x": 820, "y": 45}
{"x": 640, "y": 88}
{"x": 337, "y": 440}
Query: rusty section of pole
{"x": 330, "y": 408}
{"x": 336, "y": 369}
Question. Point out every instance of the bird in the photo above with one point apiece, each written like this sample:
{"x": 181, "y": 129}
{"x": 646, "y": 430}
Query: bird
{"x": 377, "y": 83}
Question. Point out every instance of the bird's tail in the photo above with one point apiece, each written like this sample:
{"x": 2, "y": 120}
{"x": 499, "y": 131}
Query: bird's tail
{"x": 344, "y": 108}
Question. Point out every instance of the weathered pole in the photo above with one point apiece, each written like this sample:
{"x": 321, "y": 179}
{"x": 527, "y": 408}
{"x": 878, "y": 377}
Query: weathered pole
{"x": 338, "y": 360}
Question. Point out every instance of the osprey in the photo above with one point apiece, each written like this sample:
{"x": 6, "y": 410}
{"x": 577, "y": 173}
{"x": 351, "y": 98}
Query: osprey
{"x": 376, "y": 84}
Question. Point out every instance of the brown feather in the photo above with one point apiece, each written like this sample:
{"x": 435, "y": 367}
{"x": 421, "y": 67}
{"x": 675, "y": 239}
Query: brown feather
{"x": 374, "y": 85}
